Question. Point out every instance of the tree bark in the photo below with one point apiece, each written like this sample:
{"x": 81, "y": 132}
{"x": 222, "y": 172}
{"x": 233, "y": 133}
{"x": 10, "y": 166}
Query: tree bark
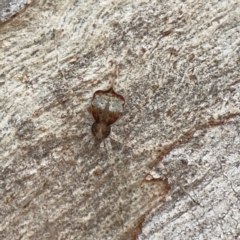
{"x": 169, "y": 168}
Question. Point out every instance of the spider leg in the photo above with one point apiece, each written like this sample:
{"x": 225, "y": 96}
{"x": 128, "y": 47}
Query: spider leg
{"x": 176, "y": 182}
{"x": 125, "y": 143}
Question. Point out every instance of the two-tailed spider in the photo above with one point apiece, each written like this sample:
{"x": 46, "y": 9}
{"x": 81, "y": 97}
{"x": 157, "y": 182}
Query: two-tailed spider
{"x": 106, "y": 106}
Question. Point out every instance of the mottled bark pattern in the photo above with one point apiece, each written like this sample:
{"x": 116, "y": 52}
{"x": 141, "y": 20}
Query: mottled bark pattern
{"x": 177, "y": 138}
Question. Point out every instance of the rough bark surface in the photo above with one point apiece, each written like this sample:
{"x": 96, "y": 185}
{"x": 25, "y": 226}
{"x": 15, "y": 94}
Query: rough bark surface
{"x": 10, "y": 8}
{"x": 170, "y": 167}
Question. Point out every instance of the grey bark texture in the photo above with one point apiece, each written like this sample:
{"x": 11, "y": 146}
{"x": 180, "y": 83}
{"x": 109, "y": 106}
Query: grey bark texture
{"x": 10, "y": 8}
{"x": 170, "y": 167}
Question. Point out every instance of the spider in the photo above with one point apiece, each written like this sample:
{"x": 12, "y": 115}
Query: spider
{"x": 106, "y": 106}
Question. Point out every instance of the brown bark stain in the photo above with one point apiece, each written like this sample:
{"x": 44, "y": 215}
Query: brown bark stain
{"x": 134, "y": 231}
{"x": 211, "y": 123}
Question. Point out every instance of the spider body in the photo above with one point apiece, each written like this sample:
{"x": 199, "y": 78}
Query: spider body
{"x": 107, "y": 106}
